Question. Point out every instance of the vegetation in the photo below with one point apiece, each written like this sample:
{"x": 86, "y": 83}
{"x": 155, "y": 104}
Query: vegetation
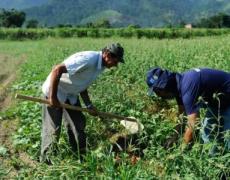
{"x": 101, "y": 13}
{"x": 11, "y": 18}
{"x": 130, "y": 32}
{"x": 99, "y": 24}
{"x": 218, "y": 21}
{"x": 147, "y": 13}
{"x": 121, "y": 91}
{"x": 32, "y": 23}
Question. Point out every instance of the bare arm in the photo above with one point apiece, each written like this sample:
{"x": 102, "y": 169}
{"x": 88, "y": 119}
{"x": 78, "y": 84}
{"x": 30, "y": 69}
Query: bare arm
{"x": 188, "y": 135}
{"x": 85, "y": 97}
{"x": 55, "y": 78}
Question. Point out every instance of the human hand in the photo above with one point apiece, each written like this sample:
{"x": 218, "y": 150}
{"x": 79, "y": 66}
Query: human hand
{"x": 54, "y": 102}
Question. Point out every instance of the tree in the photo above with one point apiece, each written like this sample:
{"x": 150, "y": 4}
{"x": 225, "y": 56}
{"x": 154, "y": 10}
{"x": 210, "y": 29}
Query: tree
{"x": 103, "y": 23}
{"x": 12, "y": 18}
{"x": 32, "y": 23}
{"x": 226, "y": 20}
{"x": 218, "y": 21}
{"x": 134, "y": 26}
{"x": 64, "y": 25}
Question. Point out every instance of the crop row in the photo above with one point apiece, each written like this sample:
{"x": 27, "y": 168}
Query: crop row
{"x": 19, "y": 34}
{"x": 121, "y": 90}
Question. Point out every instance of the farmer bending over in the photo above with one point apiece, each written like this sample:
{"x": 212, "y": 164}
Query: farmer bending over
{"x": 64, "y": 84}
{"x": 206, "y": 88}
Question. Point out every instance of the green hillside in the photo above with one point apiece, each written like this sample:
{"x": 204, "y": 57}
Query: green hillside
{"x": 114, "y": 18}
{"x": 146, "y": 13}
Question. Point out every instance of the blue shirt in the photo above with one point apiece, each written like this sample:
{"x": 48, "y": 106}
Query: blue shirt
{"x": 203, "y": 83}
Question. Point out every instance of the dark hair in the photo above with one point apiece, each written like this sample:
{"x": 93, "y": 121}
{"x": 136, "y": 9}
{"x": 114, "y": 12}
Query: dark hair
{"x": 171, "y": 84}
{"x": 106, "y": 50}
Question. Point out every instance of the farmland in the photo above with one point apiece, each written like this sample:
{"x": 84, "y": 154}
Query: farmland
{"x": 122, "y": 91}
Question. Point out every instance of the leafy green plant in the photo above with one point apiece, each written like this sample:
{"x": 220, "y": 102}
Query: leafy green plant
{"x": 121, "y": 91}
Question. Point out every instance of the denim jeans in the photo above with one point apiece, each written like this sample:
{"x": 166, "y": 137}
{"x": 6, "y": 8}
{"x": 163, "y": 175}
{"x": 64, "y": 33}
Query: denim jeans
{"x": 216, "y": 126}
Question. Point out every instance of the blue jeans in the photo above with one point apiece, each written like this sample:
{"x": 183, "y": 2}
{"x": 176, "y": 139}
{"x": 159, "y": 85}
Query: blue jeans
{"x": 216, "y": 126}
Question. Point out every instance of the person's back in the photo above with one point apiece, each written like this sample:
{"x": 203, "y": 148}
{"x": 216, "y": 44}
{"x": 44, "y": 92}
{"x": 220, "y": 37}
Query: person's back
{"x": 205, "y": 82}
{"x": 187, "y": 88}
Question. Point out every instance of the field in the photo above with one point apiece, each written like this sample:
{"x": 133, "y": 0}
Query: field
{"x": 122, "y": 91}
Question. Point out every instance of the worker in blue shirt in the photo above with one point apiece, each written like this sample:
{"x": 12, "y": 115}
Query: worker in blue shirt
{"x": 195, "y": 89}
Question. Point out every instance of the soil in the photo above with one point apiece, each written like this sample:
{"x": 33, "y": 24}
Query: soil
{"x": 12, "y": 161}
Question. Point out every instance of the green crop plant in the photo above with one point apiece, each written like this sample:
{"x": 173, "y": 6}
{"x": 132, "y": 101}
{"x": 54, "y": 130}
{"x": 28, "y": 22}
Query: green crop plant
{"x": 121, "y": 91}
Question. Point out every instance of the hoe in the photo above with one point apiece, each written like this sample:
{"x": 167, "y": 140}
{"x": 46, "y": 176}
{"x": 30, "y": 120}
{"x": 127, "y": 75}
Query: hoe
{"x": 130, "y": 124}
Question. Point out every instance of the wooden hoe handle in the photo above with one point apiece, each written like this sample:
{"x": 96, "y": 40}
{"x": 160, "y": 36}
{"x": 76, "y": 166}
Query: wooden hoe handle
{"x": 76, "y": 108}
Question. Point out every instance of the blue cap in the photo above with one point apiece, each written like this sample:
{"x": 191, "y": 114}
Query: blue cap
{"x": 157, "y": 78}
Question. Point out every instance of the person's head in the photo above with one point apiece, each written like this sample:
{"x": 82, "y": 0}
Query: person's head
{"x": 112, "y": 54}
{"x": 162, "y": 83}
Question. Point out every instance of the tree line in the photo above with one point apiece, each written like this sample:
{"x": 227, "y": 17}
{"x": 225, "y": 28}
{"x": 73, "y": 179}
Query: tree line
{"x": 220, "y": 20}
{"x": 15, "y": 18}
